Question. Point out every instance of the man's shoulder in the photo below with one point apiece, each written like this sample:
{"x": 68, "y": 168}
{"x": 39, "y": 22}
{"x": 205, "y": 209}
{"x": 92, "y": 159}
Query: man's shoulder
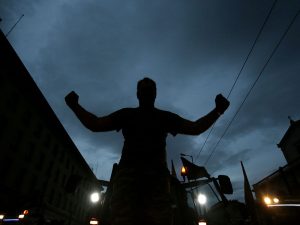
{"x": 126, "y": 111}
{"x": 123, "y": 114}
{"x": 166, "y": 114}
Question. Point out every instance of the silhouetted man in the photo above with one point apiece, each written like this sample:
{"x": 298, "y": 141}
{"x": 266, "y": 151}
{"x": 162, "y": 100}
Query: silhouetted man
{"x": 141, "y": 186}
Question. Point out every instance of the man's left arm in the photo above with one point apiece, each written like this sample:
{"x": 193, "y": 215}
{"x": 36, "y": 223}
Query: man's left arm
{"x": 202, "y": 124}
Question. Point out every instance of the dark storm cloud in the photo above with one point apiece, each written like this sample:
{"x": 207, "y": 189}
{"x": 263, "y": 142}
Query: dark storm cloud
{"x": 10, "y": 11}
{"x": 242, "y": 155}
{"x": 274, "y": 97}
{"x": 103, "y": 53}
{"x": 193, "y": 50}
{"x": 272, "y": 101}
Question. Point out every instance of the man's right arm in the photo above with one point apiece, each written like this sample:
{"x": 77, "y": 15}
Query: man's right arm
{"x": 89, "y": 120}
{"x": 202, "y": 124}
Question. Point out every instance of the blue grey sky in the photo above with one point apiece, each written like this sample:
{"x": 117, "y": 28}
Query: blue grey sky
{"x": 192, "y": 49}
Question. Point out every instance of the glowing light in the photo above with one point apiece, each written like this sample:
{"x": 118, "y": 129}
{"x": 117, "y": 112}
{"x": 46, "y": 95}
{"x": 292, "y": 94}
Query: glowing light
{"x": 202, "y": 199}
{"x": 201, "y": 222}
{"x": 25, "y": 212}
{"x": 95, "y": 197}
{"x": 267, "y": 200}
{"x": 21, "y": 216}
{"x": 93, "y": 221}
{"x": 275, "y": 200}
{"x": 11, "y": 220}
{"x": 183, "y": 171}
{"x": 1, "y": 217}
{"x": 284, "y": 205}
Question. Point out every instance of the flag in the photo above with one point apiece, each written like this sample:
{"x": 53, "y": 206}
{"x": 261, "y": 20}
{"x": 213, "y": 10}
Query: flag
{"x": 193, "y": 171}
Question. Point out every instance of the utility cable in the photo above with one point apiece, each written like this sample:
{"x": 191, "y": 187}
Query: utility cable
{"x": 261, "y": 72}
{"x": 242, "y": 68}
{"x": 14, "y": 25}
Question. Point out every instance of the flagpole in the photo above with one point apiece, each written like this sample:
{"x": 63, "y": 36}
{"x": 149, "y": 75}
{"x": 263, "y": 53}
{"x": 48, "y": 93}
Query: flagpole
{"x": 249, "y": 200}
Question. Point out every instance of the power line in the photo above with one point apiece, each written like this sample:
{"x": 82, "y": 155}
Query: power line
{"x": 242, "y": 68}
{"x": 211, "y": 129}
{"x": 14, "y": 26}
{"x": 261, "y": 72}
{"x": 253, "y": 45}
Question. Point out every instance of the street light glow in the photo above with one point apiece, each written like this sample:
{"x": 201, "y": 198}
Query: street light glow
{"x": 93, "y": 221}
{"x": 202, "y": 199}
{"x": 95, "y": 197}
{"x": 275, "y": 200}
{"x": 183, "y": 171}
{"x": 21, "y": 216}
{"x": 202, "y": 223}
{"x": 267, "y": 200}
{"x": 1, "y": 217}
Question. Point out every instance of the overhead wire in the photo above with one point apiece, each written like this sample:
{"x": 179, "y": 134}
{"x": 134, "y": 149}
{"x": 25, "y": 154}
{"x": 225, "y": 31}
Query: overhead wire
{"x": 254, "y": 83}
{"x": 240, "y": 71}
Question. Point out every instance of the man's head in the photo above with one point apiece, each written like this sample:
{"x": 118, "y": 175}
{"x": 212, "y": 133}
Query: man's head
{"x": 146, "y": 92}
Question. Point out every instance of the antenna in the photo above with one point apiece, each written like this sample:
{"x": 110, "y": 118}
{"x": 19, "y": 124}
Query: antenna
{"x": 13, "y": 25}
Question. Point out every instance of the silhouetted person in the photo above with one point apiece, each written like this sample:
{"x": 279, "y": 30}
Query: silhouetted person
{"x": 141, "y": 186}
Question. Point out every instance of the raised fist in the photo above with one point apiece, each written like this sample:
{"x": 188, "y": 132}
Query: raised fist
{"x": 221, "y": 103}
{"x": 72, "y": 99}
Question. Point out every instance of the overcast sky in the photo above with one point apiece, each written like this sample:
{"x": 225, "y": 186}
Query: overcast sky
{"x": 192, "y": 49}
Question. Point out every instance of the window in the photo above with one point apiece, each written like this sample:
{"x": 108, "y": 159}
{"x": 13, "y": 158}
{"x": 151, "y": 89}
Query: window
{"x": 55, "y": 150}
{"x": 297, "y": 144}
{"x": 32, "y": 182}
{"x": 13, "y": 101}
{"x": 68, "y": 163}
{"x": 16, "y": 141}
{"x": 51, "y": 196}
{"x": 49, "y": 169}
{"x": 20, "y": 178}
{"x": 64, "y": 179}
{"x": 38, "y": 130}
{"x": 58, "y": 201}
{"x": 29, "y": 152}
{"x": 62, "y": 156}
{"x": 26, "y": 119}
{"x": 56, "y": 178}
{"x": 40, "y": 162}
{"x": 3, "y": 127}
{"x": 47, "y": 141}
{"x": 5, "y": 166}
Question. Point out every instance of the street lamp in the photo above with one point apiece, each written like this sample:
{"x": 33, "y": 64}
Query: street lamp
{"x": 21, "y": 216}
{"x": 267, "y": 200}
{"x": 183, "y": 171}
{"x": 95, "y": 197}
{"x": 202, "y": 222}
{"x": 93, "y": 221}
{"x": 276, "y": 200}
{"x": 202, "y": 199}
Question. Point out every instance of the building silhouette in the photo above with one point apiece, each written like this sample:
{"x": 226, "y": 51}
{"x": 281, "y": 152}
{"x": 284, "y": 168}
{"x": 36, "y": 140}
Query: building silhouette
{"x": 284, "y": 183}
{"x": 41, "y": 168}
